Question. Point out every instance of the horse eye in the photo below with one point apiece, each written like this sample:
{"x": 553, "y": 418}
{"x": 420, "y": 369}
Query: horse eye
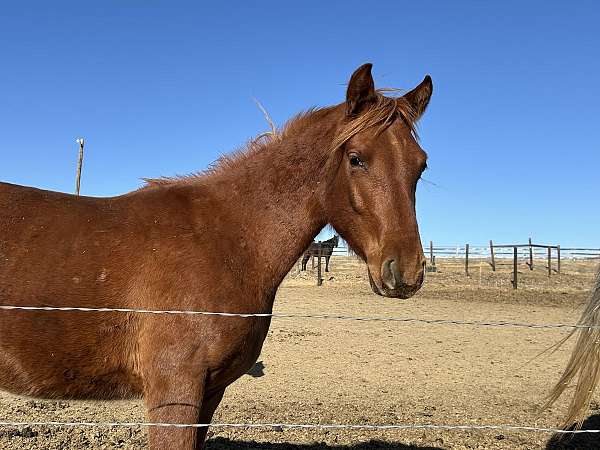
{"x": 355, "y": 161}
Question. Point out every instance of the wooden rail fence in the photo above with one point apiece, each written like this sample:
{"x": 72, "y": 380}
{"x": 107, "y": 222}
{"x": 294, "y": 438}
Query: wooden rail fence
{"x": 497, "y": 255}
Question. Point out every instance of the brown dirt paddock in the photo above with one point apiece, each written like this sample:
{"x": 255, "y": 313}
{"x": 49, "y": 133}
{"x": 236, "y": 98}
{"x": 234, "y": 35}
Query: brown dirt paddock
{"x": 328, "y": 371}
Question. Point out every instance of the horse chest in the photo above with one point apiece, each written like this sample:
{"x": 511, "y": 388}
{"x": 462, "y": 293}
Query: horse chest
{"x": 233, "y": 355}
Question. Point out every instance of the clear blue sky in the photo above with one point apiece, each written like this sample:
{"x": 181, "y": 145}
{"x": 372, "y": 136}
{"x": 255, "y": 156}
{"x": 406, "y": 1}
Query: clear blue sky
{"x": 163, "y": 88}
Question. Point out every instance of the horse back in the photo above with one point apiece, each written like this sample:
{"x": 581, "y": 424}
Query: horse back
{"x": 57, "y": 248}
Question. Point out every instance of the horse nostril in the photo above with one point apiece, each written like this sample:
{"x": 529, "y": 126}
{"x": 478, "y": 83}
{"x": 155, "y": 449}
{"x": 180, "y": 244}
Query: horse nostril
{"x": 389, "y": 274}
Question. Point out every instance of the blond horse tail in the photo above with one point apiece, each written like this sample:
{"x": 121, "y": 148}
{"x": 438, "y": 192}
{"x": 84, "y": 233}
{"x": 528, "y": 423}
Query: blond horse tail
{"x": 584, "y": 363}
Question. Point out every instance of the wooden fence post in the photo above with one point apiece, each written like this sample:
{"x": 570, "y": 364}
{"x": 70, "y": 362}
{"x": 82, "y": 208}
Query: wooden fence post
{"x": 558, "y": 257}
{"x": 530, "y": 255}
{"x": 467, "y": 259}
{"x": 81, "y": 143}
{"x": 493, "y": 263}
{"x": 431, "y": 260}
{"x": 515, "y": 271}
{"x": 549, "y": 261}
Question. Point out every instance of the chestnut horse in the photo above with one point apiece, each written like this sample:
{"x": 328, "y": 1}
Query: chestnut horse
{"x": 205, "y": 243}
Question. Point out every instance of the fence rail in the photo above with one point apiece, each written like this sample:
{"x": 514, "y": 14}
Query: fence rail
{"x": 483, "y": 251}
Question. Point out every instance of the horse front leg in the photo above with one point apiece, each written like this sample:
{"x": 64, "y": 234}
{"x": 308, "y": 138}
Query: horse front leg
{"x": 209, "y": 405}
{"x": 173, "y": 394}
{"x": 305, "y": 259}
{"x": 327, "y": 263}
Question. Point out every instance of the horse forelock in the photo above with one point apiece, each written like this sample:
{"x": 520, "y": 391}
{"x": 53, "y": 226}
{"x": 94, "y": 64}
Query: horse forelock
{"x": 382, "y": 113}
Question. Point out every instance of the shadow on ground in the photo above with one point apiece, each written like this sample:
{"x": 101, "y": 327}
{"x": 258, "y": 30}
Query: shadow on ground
{"x": 257, "y": 370}
{"x": 220, "y": 443}
{"x": 578, "y": 441}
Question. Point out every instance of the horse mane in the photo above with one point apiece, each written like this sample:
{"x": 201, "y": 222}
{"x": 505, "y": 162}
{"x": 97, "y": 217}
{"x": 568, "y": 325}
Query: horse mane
{"x": 381, "y": 114}
{"x": 256, "y": 145}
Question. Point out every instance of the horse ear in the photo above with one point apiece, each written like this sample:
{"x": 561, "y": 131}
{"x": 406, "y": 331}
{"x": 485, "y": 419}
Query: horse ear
{"x": 419, "y": 97}
{"x": 361, "y": 90}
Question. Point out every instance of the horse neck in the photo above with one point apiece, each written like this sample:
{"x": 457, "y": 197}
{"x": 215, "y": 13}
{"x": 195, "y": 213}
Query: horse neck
{"x": 275, "y": 197}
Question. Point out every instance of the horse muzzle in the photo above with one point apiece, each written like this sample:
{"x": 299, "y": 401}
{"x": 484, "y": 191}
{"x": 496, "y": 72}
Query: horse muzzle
{"x": 395, "y": 283}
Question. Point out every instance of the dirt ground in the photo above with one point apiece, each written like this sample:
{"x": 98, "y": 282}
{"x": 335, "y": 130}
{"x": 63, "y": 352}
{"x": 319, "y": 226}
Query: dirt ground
{"x": 331, "y": 371}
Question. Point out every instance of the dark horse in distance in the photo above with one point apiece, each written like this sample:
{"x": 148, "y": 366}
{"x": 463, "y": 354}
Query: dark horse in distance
{"x": 324, "y": 248}
{"x": 188, "y": 244}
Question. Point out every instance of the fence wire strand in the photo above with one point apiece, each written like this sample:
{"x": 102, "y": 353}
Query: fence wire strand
{"x": 476, "y": 323}
{"x": 290, "y": 426}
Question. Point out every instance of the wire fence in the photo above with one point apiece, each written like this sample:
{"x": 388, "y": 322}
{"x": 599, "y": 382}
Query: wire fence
{"x": 476, "y": 323}
{"x": 313, "y": 426}
{"x": 441, "y": 251}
